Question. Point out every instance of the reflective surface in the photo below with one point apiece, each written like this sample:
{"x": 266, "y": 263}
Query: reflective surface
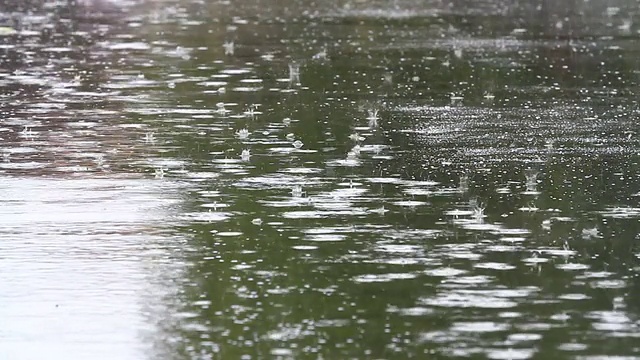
{"x": 212, "y": 180}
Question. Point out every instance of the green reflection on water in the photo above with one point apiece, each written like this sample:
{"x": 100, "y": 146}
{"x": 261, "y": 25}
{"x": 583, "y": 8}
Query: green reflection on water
{"x": 357, "y": 284}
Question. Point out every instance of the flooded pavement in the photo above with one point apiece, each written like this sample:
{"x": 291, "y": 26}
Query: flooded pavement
{"x": 349, "y": 180}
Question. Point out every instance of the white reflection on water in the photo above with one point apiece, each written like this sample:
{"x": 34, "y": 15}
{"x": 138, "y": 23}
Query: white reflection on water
{"x": 81, "y": 263}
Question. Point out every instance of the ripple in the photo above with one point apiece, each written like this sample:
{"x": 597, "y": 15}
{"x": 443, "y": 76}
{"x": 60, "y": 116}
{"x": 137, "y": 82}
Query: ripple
{"x": 572, "y": 266}
{"x": 494, "y": 266}
{"x": 445, "y": 272}
{"x": 316, "y": 214}
{"x": 572, "y": 347}
{"x": 574, "y": 297}
{"x": 326, "y": 237}
{"x": 399, "y": 248}
{"x": 511, "y": 354}
{"x": 473, "y": 225}
{"x": 524, "y": 337}
{"x": 535, "y": 260}
{"x": 608, "y": 284}
{"x": 409, "y": 203}
{"x": 304, "y": 247}
{"x": 136, "y": 45}
{"x": 470, "y": 280}
{"x": 237, "y": 71}
{"x": 206, "y": 216}
{"x": 621, "y": 212}
{"x": 228, "y": 233}
{"x": 478, "y": 327}
{"x": 412, "y": 311}
{"x": 300, "y": 170}
{"x": 374, "y": 278}
{"x": 383, "y": 180}
{"x": 462, "y": 300}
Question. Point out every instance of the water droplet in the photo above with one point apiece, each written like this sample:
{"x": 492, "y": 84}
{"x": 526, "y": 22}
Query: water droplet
{"x": 159, "y": 172}
{"x": 242, "y": 133}
{"x": 229, "y": 47}
{"x": 245, "y": 155}
{"x": 355, "y": 137}
{"x": 296, "y": 191}
{"x": 373, "y": 118}
{"x": 294, "y": 73}
{"x": 149, "y": 138}
{"x": 322, "y": 55}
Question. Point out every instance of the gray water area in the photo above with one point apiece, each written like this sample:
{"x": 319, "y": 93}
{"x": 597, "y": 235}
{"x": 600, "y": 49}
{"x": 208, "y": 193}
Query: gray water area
{"x": 335, "y": 180}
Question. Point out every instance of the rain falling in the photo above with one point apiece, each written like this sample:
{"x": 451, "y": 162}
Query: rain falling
{"x": 340, "y": 179}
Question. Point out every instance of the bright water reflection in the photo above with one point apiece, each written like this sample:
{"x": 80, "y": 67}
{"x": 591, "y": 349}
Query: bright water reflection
{"x": 343, "y": 180}
{"x": 84, "y": 266}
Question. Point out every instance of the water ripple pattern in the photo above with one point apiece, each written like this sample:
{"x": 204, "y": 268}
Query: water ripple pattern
{"x": 330, "y": 180}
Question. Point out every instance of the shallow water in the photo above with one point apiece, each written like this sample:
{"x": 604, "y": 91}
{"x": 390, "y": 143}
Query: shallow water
{"x": 211, "y": 180}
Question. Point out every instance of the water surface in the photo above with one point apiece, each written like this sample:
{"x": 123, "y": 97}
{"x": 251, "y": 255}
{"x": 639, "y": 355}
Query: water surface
{"x": 212, "y": 180}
